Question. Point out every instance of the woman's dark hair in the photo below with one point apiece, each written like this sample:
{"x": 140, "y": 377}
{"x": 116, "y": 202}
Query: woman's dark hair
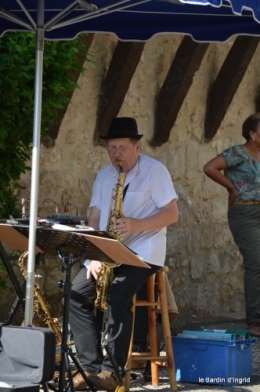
{"x": 250, "y": 124}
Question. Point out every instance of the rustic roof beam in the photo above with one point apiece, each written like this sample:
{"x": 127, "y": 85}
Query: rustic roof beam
{"x": 227, "y": 82}
{"x": 175, "y": 87}
{"x": 114, "y": 87}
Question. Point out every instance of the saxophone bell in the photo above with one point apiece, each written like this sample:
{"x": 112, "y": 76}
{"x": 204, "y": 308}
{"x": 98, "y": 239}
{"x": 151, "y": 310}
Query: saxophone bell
{"x": 41, "y": 306}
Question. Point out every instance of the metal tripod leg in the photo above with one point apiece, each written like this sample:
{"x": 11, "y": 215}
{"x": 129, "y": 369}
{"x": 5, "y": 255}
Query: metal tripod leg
{"x": 119, "y": 372}
{"x": 66, "y": 352}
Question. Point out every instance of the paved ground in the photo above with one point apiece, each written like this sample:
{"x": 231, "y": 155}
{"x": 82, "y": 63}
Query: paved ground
{"x": 139, "y": 385}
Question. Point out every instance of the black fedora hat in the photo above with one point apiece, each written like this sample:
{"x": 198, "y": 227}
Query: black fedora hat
{"x": 122, "y": 127}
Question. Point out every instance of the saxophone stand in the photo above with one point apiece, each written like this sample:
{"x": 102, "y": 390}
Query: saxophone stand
{"x": 66, "y": 351}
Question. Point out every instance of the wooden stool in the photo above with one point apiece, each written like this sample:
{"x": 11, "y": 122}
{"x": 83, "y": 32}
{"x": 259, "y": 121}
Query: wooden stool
{"x": 154, "y": 306}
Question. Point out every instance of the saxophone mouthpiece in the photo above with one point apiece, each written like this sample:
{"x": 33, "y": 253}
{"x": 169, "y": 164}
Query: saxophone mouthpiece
{"x": 120, "y": 165}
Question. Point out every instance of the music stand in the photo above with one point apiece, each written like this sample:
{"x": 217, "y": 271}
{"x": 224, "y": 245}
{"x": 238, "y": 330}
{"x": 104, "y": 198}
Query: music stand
{"x": 66, "y": 351}
{"x": 96, "y": 245}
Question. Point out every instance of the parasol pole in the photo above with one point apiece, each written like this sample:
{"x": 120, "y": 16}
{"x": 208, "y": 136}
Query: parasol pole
{"x": 29, "y": 296}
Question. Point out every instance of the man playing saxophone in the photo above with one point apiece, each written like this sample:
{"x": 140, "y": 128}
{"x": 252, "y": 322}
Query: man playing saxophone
{"x": 149, "y": 204}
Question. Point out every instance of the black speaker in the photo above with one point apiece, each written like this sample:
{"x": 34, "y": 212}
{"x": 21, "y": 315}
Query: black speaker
{"x": 27, "y": 358}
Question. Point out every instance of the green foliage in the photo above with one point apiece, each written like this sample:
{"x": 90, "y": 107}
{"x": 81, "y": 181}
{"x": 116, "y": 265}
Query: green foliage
{"x": 17, "y": 77}
{"x": 3, "y": 284}
{"x": 5, "y": 281}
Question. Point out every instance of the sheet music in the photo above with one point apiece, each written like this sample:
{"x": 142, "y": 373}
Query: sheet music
{"x": 58, "y": 226}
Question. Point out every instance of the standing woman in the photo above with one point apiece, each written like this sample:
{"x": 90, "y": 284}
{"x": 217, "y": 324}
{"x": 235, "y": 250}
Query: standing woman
{"x": 240, "y": 165}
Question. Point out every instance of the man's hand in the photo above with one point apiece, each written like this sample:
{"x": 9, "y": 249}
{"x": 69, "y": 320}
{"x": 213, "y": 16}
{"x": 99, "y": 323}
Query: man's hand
{"x": 126, "y": 226}
{"x": 93, "y": 269}
{"x": 166, "y": 215}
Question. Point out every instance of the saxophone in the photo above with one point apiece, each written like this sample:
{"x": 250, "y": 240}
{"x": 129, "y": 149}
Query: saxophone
{"x": 105, "y": 275}
{"x": 41, "y": 306}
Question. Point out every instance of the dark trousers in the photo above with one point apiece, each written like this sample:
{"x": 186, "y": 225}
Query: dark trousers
{"x": 141, "y": 321}
{"x": 84, "y": 324}
{"x": 244, "y": 223}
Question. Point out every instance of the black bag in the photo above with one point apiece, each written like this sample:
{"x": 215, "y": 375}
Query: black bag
{"x": 27, "y": 358}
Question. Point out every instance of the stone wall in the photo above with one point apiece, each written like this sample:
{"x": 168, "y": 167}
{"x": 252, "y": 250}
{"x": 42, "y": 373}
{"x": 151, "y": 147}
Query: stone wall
{"x": 206, "y": 270}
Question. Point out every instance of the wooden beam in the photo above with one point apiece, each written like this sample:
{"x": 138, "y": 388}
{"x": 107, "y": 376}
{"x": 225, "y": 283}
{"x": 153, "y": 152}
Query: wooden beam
{"x": 257, "y": 100}
{"x": 175, "y": 87}
{"x": 114, "y": 87}
{"x": 226, "y": 84}
{"x": 49, "y": 139}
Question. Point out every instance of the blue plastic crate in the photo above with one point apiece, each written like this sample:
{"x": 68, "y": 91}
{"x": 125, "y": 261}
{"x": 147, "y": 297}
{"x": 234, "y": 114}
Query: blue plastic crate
{"x": 205, "y": 361}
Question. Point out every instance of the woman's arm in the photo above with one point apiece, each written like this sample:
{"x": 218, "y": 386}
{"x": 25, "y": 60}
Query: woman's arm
{"x": 213, "y": 169}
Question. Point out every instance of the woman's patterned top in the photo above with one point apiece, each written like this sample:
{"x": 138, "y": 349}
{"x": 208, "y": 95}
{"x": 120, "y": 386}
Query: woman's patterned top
{"x": 244, "y": 172}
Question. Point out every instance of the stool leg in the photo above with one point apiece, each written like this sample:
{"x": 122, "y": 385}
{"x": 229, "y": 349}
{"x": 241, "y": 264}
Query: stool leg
{"x": 152, "y": 331}
{"x": 166, "y": 330}
{"x": 127, "y": 378}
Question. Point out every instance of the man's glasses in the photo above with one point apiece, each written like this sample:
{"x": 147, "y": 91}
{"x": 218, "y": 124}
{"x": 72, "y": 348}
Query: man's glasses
{"x": 113, "y": 149}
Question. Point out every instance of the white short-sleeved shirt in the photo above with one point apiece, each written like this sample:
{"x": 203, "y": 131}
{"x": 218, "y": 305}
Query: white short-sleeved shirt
{"x": 150, "y": 188}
